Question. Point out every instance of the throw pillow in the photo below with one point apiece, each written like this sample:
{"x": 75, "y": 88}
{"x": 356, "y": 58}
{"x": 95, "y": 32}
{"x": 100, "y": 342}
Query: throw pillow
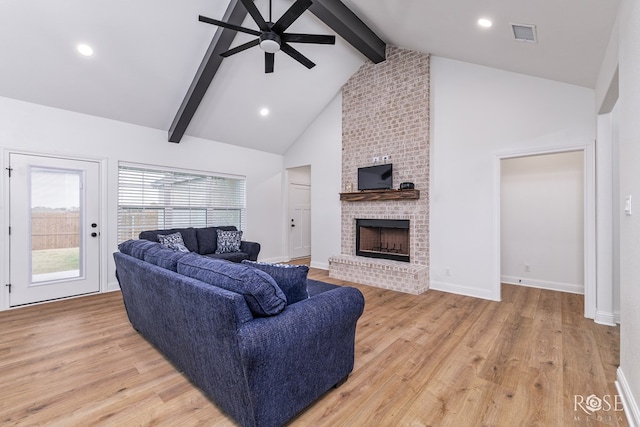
{"x": 173, "y": 241}
{"x": 292, "y": 279}
{"x": 208, "y": 238}
{"x": 228, "y": 241}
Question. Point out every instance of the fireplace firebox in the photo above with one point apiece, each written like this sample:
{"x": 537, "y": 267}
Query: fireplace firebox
{"x": 383, "y": 238}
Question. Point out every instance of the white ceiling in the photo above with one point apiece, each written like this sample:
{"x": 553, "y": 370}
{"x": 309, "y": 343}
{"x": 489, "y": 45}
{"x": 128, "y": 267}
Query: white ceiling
{"x": 147, "y": 53}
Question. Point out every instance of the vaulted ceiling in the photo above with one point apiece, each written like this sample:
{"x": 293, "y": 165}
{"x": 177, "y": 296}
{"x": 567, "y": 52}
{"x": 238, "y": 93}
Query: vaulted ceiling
{"x": 147, "y": 52}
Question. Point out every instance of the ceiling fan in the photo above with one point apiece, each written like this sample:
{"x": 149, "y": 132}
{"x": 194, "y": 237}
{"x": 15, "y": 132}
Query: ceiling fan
{"x": 272, "y": 36}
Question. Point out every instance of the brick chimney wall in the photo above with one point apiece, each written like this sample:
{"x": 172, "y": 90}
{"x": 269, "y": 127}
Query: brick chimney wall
{"x": 385, "y": 112}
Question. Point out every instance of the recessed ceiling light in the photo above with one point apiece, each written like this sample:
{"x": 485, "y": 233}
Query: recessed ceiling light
{"x": 85, "y": 49}
{"x": 485, "y": 23}
{"x": 264, "y": 112}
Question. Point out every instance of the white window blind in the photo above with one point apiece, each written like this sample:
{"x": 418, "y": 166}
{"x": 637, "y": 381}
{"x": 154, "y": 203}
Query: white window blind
{"x": 151, "y": 199}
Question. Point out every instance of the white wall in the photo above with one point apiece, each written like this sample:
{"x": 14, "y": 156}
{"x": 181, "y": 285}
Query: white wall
{"x": 320, "y": 146}
{"x": 478, "y": 113}
{"x": 542, "y": 221}
{"x": 607, "y": 91}
{"x": 41, "y": 129}
{"x": 628, "y": 106}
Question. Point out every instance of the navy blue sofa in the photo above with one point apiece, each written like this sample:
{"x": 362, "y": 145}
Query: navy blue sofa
{"x": 261, "y": 368}
{"x": 204, "y": 241}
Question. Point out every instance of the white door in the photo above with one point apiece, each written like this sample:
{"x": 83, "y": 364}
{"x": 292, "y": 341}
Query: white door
{"x": 300, "y": 221}
{"x": 54, "y": 230}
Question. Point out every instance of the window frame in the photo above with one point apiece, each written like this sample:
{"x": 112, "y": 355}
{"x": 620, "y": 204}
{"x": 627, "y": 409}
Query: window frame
{"x": 164, "y": 198}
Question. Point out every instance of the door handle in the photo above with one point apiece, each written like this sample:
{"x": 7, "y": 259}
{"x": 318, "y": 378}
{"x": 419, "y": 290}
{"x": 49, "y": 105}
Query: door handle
{"x": 94, "y": 234}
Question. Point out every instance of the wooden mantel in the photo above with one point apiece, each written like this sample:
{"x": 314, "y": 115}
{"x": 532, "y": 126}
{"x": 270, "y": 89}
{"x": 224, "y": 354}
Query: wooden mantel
{"x": 377, "y": 195}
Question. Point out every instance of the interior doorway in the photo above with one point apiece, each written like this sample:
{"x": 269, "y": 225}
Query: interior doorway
{"x": 542, "y": 221}
{"x": 587, "y": 149}
{"x": 299, "y": 212}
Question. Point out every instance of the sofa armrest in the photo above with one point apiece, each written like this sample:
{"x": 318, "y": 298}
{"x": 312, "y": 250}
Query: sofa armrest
{"x": 250, "y": 248}
{"x": 293, "y": 358}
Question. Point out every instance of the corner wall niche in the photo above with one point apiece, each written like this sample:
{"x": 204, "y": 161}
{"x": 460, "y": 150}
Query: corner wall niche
{"x": 385, "y": 112}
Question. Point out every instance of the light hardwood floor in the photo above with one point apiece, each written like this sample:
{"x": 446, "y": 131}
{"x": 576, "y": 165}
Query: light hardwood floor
{"x": 436, "y": 359}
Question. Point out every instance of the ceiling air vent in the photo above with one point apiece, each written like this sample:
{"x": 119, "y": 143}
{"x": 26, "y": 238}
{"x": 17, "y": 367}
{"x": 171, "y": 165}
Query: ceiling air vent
{"x": 524, "y": 33}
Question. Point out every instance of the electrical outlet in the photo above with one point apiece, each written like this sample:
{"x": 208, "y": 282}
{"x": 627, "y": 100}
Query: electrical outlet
{"x": 527, "y": 268}
{"x": 376, "y": 159}
{"x": 447, "y": 271}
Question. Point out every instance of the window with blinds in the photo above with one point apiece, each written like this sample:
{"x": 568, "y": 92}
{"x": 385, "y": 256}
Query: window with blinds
{"x": 154, "y": 198}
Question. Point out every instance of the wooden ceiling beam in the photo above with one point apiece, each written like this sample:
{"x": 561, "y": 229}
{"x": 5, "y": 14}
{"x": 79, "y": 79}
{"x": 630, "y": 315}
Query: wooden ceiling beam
{"x": 343, "y": 21}
{"x": 332, "y": 12}
{"x": 235, "y": 14}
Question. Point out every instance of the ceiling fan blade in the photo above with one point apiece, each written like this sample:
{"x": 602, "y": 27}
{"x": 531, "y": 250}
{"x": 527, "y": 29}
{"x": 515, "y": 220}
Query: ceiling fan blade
{"x": 240, "y": 48}
{"x": 268, "y": 62}
{"x": 229, "y": 26}
{"x": 308, "y": 38}
{"x": 291, "y": 15}
{"x": 297, "y": 55}
{"x": 255, "y": 14}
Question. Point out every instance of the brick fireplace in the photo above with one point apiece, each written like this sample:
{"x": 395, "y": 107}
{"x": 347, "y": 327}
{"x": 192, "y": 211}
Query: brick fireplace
{"x": 386, "y": 113}
{"x": 383, "y": 239}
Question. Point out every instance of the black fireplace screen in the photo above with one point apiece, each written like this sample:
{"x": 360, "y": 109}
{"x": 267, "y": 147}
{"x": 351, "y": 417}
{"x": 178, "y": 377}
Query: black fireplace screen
{"x": 383, "y": 238}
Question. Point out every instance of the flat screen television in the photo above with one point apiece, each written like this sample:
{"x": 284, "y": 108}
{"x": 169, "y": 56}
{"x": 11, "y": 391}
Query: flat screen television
{"x": 378, "y": 177}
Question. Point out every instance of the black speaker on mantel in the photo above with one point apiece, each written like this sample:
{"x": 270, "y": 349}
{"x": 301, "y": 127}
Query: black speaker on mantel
{"x": 407, "y": 186}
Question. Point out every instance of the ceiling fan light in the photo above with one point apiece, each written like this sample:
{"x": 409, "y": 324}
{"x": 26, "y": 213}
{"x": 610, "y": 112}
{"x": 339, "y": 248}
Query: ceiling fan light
{"x": 270, "y": 46}
{"x": 270, "y": 42}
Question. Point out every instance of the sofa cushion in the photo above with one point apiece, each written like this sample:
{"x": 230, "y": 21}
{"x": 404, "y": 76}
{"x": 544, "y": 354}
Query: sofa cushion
{"x": 208, "y": 238}
{"x": 231, "y": 256}
{"x": 136, "y": 248}
{"x": 188, "y": 236}
{"x": 163, "y": 257}
{"x": 173, "y": 241}
{"x": 292, "y": 279}
{"x": 228, "y": 241}
{"x": 260, "y": 291}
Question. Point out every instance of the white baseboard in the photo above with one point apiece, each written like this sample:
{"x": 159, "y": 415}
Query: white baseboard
{"x": 543, "y": 284}
{"x": 460, "y": 290}
{"x": 320, "y": 265}
{"x": 629, "y": 403}
{"x": 112, "y": 286}
{"x": 604, "y": 318}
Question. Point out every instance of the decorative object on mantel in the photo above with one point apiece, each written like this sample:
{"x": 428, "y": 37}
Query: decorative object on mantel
{"x": 377, "y": 195}
{"x": 407, "y": 186}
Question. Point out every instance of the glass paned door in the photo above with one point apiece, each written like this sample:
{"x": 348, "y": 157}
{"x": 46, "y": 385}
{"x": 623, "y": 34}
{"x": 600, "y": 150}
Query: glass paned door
{"x": 55, "y": 224}
{"x": 54, "y": 207}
